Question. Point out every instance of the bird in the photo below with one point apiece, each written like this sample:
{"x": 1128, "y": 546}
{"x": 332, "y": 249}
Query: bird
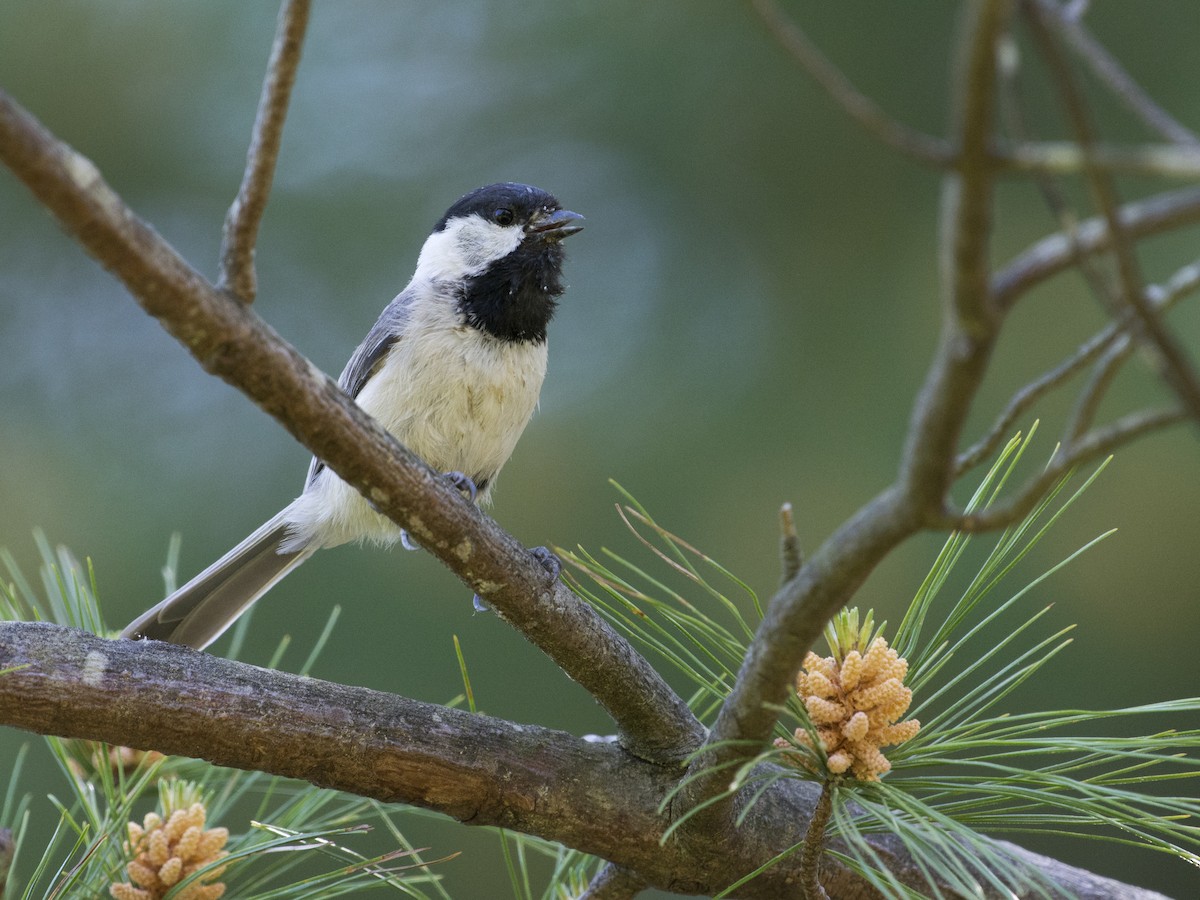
{"x": 453, "y": 368}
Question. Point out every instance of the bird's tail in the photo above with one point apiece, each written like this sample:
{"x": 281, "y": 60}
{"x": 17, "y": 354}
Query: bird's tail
{"x": 200, "y": 611}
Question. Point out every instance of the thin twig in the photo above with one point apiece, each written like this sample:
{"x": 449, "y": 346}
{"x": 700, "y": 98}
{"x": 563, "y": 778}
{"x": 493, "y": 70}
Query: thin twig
{"x": 1185, "y": 281}
{"x": 1012, "y": 109}
{"x": 790, "y": 552}
{"x": 1067, "y": 158}
{"x": 1087, "y": 404}
{"x": 613, "y": 882}
{"x": 1097, "y": 443}
{"x": 1056, "y": 253}
{"x": 1161, "y": 298}
{"x": 1023, "y": 399}
{"x": 1128, "y": 269}
{"x": 1106, "y": 67}
{"x": 245, "y": 214}
{"x": 862, "y": 109}
{"x": 1174, "y": 366}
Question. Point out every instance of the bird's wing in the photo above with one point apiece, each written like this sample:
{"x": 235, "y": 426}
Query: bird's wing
{"x": 370, "y": 354}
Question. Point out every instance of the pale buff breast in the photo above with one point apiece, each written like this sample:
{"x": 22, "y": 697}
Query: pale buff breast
{"x": 461, "y": 405}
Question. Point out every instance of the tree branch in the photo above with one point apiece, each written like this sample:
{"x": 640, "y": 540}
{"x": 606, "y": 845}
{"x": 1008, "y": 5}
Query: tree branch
{"x": 794, "y": 619}
{"x": 1092, "y": 446}
{"x": 1028, "y": 395}
{"x": 1107, "y": 348}
{"x": 1056, "y": 253}
{"x": 245, "y": 215}
{"x": 1087, "y": 404}
{"x": 603, "y": 799}
{"x": 230, "y": 341}
{"x": 591, "y": 796}
{"x": 1089, "y": 267}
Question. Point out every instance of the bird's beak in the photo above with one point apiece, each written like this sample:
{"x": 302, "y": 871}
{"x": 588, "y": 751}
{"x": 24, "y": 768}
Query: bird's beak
{"x": 556, "y": 225}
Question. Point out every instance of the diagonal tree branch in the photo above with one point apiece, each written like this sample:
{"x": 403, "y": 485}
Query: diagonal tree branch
{"x": 230, "y": 341}
{"x": 591, "y": 796}
{"x": 1090, "y": 267}
{"x": 1056, "y": 253}
{"x": 1027, "y": 396}
{"x": 1089, "y": 448}
{"x": 1087, "y": 404}
{"x": 858, "y": 106}
{"x": 245, "y": 215}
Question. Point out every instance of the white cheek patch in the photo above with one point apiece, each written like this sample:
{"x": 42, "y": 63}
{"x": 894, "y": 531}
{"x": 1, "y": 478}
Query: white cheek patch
{"x": 465, "y": 247}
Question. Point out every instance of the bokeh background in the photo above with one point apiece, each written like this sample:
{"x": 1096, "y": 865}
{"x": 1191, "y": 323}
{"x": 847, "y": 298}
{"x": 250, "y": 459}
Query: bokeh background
{"x": 752, "y": 308}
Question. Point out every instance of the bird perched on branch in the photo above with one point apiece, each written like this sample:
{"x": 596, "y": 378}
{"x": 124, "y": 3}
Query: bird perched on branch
{"x": 452, "y": 368}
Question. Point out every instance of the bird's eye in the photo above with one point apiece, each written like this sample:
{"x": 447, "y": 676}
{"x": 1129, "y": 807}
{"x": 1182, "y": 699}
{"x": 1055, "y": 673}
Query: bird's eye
{"x": 503, "y": 216}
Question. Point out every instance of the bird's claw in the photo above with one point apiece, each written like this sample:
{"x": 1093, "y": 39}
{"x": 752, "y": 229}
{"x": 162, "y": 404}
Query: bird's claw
{"x": 464, "y": 483}
{"x": 549, "y": 561}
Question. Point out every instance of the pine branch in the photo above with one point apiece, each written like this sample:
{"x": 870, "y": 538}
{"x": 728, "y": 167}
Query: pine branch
{"x": 594, "y": 797}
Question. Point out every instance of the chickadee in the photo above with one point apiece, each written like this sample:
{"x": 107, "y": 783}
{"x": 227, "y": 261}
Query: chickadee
{"x": 452, "y": 369}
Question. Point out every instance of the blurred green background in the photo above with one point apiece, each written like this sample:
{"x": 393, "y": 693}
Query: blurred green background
{"x": 751, "y": 310}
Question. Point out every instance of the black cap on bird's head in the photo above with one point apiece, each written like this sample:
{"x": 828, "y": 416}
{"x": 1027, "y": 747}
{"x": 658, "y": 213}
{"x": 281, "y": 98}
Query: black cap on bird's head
{"x": 509, "y": 203}
{"x": 516, "y": 240}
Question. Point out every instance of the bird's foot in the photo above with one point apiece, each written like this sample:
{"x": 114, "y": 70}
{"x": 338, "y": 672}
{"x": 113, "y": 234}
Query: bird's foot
{"x": 464, "y": 483}
{"x": 549, "y": 561}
